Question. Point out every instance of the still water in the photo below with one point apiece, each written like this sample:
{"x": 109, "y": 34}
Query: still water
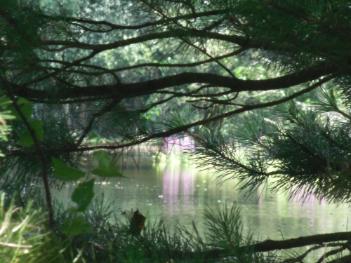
{"x": 176, "y": 191}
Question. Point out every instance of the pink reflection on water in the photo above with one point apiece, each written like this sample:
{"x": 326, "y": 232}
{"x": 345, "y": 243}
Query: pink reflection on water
{"x": 178, "y": 144}
{"x": 308, "y": 199}
{"x": 170, "y": 188}
{"x": 311, "y": 205}
{"x": 178, "y": 188}
{"x": 188, "y": 186}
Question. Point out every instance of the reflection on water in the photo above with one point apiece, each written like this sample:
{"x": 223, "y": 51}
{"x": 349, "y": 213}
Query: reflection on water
{"x": 177, "y": 192}
{"x": 178, "y": 144}
{"x": 177, "y": 188}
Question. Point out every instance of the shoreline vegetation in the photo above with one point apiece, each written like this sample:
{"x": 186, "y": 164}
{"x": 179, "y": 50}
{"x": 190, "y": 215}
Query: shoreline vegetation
{"x": 24, "y": 239}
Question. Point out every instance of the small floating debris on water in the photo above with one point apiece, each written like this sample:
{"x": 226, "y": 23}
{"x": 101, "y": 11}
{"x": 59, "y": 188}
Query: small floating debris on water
{"x": 103, "y": 183}
{"x": 219, "y": 201}
{"x": 160, "y": 196}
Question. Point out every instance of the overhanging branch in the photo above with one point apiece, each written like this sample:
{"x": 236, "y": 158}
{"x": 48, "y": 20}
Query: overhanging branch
{"x": 130, "y": 90}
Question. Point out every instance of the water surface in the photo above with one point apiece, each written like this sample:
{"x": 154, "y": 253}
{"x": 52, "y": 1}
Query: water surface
{"x": 177, "y": 192}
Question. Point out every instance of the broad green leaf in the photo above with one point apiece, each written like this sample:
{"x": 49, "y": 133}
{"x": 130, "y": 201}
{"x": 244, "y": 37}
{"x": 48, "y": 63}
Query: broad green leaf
{"x": 26, "y": 107}
{"x": 25, "y": 139}
{"x": 76, "y": 226}
{"x": 37, "y": 126}
{"x": 107, "y": 172}
{"x": 105, "y": 167}
{"x": 83, "y": 194}
{"x": 65, "y": 172}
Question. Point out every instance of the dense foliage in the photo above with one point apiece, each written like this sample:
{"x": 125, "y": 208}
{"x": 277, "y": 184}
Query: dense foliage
{"x": 262, "y": 86}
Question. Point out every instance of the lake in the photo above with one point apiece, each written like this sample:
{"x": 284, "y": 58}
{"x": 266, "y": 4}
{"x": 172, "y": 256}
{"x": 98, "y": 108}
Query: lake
{"x": 176, "y": 191}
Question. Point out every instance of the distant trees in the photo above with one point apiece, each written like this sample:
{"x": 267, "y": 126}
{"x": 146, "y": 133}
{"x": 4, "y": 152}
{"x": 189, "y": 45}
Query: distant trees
{"x": 173, "y": 50}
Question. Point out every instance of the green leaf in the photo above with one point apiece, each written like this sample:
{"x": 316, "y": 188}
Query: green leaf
{"x": 37, "y": 126}
{"x": 65, "y": 172}
{"x": 106, "y": 167}
{"x": 83, "y": 194}
{"x": 25, "y": 139}
{"x": 76, "y": 226}
{"x": 26, "y": 107}
{"x": 103, "y": 158}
